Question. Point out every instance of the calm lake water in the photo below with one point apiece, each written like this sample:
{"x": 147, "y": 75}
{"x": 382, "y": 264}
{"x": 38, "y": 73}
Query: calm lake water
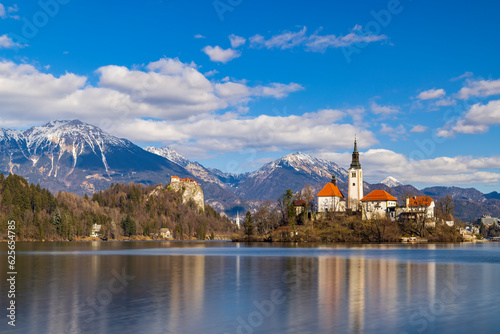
{"x": 223, "y": 287}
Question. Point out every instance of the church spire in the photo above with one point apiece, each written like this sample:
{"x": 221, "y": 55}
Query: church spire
{"x": 355, "y": 157}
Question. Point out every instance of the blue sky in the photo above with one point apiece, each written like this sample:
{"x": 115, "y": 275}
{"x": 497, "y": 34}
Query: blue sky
{"x": 234, "y": 84}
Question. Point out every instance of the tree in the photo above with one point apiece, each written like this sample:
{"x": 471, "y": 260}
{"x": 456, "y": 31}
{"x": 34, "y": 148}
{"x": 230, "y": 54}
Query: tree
{"x": 445, "y": 207}
{"x": 56, "y": 219}
{"x": 248, "y": 225}
{"x": 128, "y": 225}
{"x": 308, "y": 196}
{"x": 285, "y": 204}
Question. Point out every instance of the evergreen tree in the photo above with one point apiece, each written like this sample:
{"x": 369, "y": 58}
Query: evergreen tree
{"x": 248, "y": 225}
{"x": 56, "y": 219}
{"x": 128, "y": 225}
{"x": 7, "y": 197}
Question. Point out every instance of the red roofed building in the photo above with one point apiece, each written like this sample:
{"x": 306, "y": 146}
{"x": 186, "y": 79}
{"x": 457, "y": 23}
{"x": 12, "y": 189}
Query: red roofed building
{"x": 299, "y": 206}
{"x": 422, "y": 204}
{"x": 378, "y": 204}
{"x": 330, "y": 199}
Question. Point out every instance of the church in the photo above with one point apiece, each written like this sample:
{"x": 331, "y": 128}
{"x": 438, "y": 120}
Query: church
{"x": 331, "y": 199}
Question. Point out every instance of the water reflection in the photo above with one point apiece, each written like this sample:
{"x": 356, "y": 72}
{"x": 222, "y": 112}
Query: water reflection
{"x": 354, "y": 290}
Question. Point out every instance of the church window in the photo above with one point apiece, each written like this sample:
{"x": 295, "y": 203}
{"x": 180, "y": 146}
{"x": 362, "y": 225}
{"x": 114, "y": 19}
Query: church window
{"x": 354, "y": 184}
{"x": 353, "y": 174}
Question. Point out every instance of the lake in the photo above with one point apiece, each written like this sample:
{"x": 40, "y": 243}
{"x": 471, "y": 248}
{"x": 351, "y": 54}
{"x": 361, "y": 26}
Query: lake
{"x": 224, "y": 287}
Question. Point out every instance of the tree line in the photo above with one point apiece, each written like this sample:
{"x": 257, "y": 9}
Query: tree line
{"x": 122, "y": 210}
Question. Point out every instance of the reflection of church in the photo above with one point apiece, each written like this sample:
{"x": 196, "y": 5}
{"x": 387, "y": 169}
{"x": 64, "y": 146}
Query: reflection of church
{"x": 331, "y": 199}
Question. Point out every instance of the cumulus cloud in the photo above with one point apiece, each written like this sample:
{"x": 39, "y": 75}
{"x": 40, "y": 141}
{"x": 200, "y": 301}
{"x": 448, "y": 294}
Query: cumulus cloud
{"x": 167, "y": 89}
{"x": 317, "y": 131}
{"x": 236, "y": 41}
{"x": 431, "y": 94}
{"x": 218, "y": 54}
{"x": 7, "y": 43}
{"x": 383, "y": 110}
{"x": 314, "y": 42}
{"x": 396, "y": 133}
{"x": 476, "y": 120}
{"x": 479, "y": 88}
{"x": 419, "y": 128}
{"x": 445, "y": 102}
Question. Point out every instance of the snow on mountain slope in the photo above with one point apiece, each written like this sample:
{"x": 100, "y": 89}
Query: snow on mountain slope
{"x": 391, "y": 182}
{"x": 170, "y": 154}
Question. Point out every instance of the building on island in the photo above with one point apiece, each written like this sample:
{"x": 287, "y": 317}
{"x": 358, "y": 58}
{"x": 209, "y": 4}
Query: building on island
{"x": 330, "y": 199}
{"x": 423, "y": 204}
{"x": 191, "y": 190}
{"x": 419, "y": 209}
{"x": 355, "y": 186}
{"x": 378, "y": 204}
{"x": 237, "y": 221}
{"x": 299, "y": 206}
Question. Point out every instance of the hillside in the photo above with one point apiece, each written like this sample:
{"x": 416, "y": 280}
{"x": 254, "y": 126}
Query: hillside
{"x": 123, "y": 211}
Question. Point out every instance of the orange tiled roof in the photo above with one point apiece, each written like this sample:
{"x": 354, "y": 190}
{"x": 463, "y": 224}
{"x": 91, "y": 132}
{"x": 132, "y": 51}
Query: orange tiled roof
{"x": 330, "y": 190}
{"x": 378, "y": 195}
{"x": 420, "y": 201}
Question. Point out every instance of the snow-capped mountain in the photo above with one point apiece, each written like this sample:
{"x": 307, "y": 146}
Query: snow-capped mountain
{"x": 292, "y": 171}
{"x": 212, "y": 175}
{"x": 79, "y": 157}
{"x": 391, "y": 182}
{"x": 170, "y": 154}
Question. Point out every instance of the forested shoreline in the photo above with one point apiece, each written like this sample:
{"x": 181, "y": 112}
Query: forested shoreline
{"x": 123, "y": 210}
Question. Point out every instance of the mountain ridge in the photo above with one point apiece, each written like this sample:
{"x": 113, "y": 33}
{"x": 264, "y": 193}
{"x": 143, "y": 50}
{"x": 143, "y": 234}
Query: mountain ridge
{"x": 78, "y": 157}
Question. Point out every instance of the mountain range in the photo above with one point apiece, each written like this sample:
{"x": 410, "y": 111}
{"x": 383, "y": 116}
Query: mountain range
{"x": 81, "y": 158}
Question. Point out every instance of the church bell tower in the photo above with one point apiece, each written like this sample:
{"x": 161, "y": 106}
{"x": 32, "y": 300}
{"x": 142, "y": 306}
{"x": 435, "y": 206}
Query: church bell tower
{"x": 355, "y": 193}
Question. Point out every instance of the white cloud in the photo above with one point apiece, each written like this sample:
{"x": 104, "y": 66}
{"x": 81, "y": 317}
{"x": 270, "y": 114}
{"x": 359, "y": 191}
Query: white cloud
{"x": 311, "y": 131}
{"x": 277, "y": 90}
{"x": 166, "y": 89}
{"x": 320, "y": 43}
{"x": 397, "y": 133}
{"x": 314, "y": 42}
{"x": 286, "y": 40}
{"x": 463, "y": 76}
{"x": 218, "y": 54}
{"x": 476, "y": 120}
{"x": 419, "y": 128}
{"x": 479, "y": 88}
{"x": 198, "y": 36}
{"x": 210, "y": 73}
{"x": 383, "y": 110}
{"x": 236, "y": 41}
{"x": 445, "y": 102}
{"x": 7, "y": 43}
{"x": 431, "y": 94}
{"x": 6, "y": 13}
